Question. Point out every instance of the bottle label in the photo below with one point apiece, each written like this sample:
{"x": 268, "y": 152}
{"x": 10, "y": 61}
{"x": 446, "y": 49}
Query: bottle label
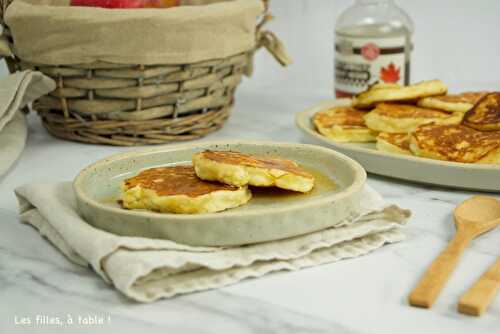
{"x": 361, "y": 62}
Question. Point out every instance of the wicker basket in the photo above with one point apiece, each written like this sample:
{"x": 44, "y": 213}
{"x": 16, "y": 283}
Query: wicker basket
{"x": 105, "y": 103}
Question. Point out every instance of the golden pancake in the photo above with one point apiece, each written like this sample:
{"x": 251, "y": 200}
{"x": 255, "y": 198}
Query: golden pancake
{"x": 394, "y": 93}
{"x": 240, "y": 169}
{"x": 456, "y": 143}
{"x": 398, "y": 143}
{"x": 343, "y": 124}
{"x": 485, "y": 115}
{"x": 178, "y": 190}
{"x": 402, "y": 118}
{"x": 452, "y": 103}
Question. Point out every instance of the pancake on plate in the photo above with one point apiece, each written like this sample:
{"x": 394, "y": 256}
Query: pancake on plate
{"x": 452, "y": 103}
{"x": 456, "y": 143}
{"x": 395, "y": 93}
{"x": 343, "y": 124}
{"x": 240, "y": 169}
{"x": 402, "y": 118}
{"x": 485, "y": 116}
{"x": 178, "y": 190}
{"x": 398, "y": 143}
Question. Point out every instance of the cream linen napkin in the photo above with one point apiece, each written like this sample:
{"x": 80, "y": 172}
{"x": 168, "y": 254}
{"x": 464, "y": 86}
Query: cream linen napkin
{"x": 148, "y": 269}
{"x": 12, "y": 141}
{"x": 16, "y": 92}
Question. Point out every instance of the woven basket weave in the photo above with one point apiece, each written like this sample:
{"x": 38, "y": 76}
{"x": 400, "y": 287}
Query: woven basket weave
{"x": 105, "y": 103}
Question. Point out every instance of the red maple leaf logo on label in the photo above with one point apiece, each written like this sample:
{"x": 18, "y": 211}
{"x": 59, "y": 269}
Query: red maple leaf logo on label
{"x": 390, "y": 74}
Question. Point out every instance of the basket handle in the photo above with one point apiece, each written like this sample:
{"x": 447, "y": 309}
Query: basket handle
{"x": 271, "y": 42}
{"x": 268, "y": 40}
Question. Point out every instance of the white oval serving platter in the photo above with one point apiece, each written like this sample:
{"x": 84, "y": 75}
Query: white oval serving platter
{"x": 410, "y": 168}
{"x": 270, "y": 215}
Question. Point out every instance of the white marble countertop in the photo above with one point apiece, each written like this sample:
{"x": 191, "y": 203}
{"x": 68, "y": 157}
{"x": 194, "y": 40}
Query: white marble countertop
{"x": 363, "y": 295}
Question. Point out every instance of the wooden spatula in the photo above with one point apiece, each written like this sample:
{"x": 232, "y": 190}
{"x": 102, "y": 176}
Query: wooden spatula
{"x": 479, "y": 297}
{"x": 473, "y": 217}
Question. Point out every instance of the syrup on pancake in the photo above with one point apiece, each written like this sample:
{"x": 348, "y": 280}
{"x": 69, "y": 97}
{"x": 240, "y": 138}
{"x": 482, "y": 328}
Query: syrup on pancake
{"x": 241, "y": 159}
{"x": 177, "y": 180}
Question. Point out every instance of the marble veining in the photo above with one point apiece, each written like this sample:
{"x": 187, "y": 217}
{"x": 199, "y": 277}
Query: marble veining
{"x": 363, "y": 295}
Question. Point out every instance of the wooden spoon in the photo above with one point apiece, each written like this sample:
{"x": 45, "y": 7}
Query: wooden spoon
{"x": 479, "y": 297}
{"x": 473, "y": 217}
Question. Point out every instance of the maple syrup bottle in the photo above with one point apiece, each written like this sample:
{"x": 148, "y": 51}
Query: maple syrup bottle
{"x": 373, "y": 43}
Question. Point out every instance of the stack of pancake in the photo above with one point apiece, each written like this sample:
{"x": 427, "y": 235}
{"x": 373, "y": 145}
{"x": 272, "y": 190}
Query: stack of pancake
{"x": 217, "y": 181}
{"x": 422, "y": 120}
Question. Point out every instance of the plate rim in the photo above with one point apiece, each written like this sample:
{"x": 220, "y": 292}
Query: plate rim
{"x": 304, "y": 117}
{"x": 360, "y": 177}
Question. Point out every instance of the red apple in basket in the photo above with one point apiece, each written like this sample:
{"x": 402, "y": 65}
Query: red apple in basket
{"x": 126, "y": 3}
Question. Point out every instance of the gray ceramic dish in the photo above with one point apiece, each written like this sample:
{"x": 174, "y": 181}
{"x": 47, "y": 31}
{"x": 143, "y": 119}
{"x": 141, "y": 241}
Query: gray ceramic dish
{"x": 270, "y": 215}
{"x": 421, "y": 170}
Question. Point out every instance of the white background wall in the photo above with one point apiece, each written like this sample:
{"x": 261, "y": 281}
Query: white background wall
{"x": 457, "y": 41}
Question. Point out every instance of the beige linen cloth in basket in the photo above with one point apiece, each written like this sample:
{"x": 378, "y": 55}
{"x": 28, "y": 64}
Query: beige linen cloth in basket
{"x": 52, "y": 32}
{"x": 17, "y": 91}
{"x": 147, "y": 269}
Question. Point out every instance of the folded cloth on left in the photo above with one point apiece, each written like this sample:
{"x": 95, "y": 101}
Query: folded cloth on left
{"x": 16, "y": 92}
{"x": 12, "y": 141}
